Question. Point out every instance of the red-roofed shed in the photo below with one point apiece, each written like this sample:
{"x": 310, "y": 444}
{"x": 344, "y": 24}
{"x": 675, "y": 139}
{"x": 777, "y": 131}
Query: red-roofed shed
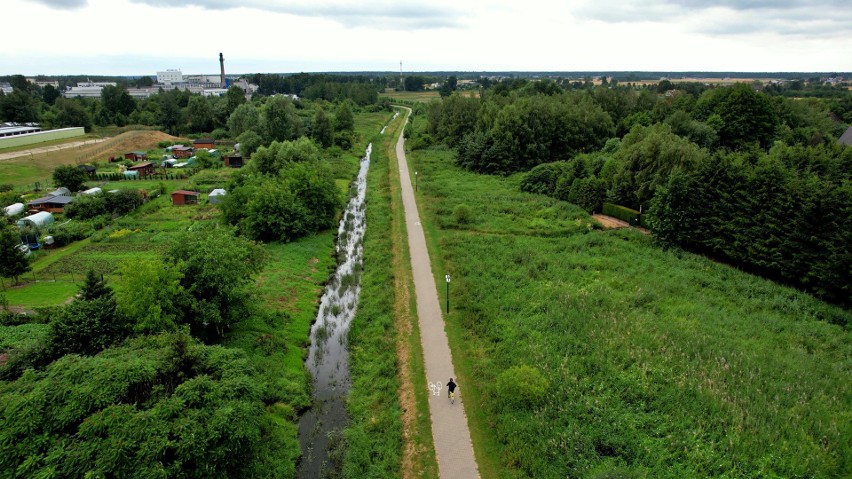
{"x": 183, "y": 197}
{"x": 182, "y": 151}
{"x": 144, "y": 169}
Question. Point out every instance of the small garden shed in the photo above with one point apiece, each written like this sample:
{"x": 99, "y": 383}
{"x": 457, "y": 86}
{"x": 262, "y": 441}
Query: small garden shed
{"x": 89, "y": 169}
{"x": 184, "y": 197}
{"x": 233, "y": 161}
{"x": 180, "y": 151}
{"x": 144, "y": 169}
{"x": 208, "y": 143}
{"x": 136, "y": 156}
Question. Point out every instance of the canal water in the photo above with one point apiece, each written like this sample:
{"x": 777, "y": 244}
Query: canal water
{"x": 321, "y": 427}
{"x": 395, "y": 114}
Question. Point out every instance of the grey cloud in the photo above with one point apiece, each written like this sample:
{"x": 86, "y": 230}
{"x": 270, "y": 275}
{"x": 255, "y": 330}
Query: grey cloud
{"x": 386, "y": 15}
{"x": 785, "y": 17}
{"x": 747, "y": 25}
{"x": 63, "y": 4}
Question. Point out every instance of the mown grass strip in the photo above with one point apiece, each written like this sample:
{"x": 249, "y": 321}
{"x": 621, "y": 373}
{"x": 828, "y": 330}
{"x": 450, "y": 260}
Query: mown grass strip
{"x": 374, "y": 435}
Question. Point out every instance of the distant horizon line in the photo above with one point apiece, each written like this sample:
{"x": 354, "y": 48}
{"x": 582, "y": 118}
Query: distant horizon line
{"x": 544, "y": 72}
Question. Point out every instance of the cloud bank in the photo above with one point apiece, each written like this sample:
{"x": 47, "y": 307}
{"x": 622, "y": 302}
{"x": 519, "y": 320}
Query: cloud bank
{"x": 63, "y": 4}
{"x": 813, "y": 18}
{"x": 385, "y": 15}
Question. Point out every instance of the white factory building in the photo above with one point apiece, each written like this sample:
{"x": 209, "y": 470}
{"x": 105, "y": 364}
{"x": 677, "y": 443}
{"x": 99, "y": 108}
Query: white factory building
{"x": 170, "y": 76}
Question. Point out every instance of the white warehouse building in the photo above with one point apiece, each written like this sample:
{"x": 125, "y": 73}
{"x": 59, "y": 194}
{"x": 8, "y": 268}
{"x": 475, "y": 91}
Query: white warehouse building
{"x": 170, "y": 76}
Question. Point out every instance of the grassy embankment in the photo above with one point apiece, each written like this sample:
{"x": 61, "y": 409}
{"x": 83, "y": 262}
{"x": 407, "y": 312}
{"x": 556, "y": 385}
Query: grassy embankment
{"x": 659, "y": 363}
{"x": 390, "y": 431}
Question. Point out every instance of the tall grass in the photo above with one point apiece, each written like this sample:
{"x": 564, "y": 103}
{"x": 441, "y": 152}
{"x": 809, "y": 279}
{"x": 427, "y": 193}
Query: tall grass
{"x": 374, "y": 434}
{"x": 659, "y": 363}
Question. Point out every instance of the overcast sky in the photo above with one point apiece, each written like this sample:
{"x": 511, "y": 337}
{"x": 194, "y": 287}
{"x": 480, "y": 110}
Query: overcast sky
{"x": 136, "y": 37}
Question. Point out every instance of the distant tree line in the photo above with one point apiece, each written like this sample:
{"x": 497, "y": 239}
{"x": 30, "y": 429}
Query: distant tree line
{"x": 749, "y": 177}
{"x": 174, "y": 111}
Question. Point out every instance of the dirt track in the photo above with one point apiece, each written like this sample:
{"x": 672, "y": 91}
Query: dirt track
{"x": 608, "y": 222}
{"x": 47, "y": 149}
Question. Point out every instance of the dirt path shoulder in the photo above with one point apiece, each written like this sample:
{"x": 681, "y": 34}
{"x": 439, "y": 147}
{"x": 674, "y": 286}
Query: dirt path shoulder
{"x": 608, "y": 222}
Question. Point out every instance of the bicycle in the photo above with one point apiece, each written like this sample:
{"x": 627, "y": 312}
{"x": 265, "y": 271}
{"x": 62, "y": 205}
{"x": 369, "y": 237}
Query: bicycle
{"x": 452, "y": 397}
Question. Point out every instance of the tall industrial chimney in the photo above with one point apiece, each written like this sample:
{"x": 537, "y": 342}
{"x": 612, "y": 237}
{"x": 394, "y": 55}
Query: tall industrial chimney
{"x": 222, "y": 66}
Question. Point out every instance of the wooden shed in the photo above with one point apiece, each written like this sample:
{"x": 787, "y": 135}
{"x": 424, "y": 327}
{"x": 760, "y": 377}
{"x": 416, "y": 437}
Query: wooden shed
{"x": 204, "y": 143}
{"x": 136, "y": 156}
{"x": 89, "y": 169}
{"x": 233, "y": 161}
{"x": 183, "y": 197}
{"x": 144, "y": 169}
{"x": 180, "y": 151}
{"x": 53, "y": 204}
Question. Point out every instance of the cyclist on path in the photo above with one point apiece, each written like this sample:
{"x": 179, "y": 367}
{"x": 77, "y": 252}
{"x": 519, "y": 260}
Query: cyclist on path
{"x": 451, "y": 387}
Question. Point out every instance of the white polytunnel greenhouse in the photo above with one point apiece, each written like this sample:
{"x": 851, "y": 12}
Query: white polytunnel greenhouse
{"x": 39, "y": 220}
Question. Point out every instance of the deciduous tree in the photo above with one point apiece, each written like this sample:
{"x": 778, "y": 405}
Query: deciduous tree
{"x": 322, "y": 130}
{"x": 13, "y": 260}
{"x": 70, "y": 177}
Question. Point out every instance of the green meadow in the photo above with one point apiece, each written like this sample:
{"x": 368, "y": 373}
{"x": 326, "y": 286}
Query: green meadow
{"x": 655, "y": 363}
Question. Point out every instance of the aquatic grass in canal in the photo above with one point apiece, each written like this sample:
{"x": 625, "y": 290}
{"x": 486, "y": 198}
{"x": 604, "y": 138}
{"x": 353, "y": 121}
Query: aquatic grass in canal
{"x": 327, "y": 359}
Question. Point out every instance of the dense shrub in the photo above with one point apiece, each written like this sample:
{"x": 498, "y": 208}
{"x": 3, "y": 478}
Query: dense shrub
{"x": 587, "y": 193}
{"x": 186, "y": 409}
{"x": 622, "y": 212}
{"x": 462, "y": 214}
{"x": 526, "y": 132}
{"x": 521, "y": 387}
{"x": 69, "y": 232}
{"x": 302, "y": 200}
{"x": 767, "y": 218}
{"x": 87, "y": 206}
{"x": 542, "y": 178}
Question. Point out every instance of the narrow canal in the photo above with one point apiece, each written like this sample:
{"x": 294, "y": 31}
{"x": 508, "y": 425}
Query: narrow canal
{"x": 321, "y": 427}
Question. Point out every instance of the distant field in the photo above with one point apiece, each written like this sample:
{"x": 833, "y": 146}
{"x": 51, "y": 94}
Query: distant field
{"x": 26, "y": 170}
{"x": 415, "y": 96}
{"x": 711, "y": 81}
{"x": 50, "y": 143}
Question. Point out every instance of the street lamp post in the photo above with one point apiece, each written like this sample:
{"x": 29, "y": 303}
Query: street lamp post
{"x": 415, "y": 181}
{"x": 447, "y": 277}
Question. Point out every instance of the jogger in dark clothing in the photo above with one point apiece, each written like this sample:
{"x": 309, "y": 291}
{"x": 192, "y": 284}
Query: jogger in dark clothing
{"x": 451, "y": 387}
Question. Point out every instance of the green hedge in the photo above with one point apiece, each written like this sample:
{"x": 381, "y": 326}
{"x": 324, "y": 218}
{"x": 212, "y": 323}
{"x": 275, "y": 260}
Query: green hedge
{"x": 623, "y": 213}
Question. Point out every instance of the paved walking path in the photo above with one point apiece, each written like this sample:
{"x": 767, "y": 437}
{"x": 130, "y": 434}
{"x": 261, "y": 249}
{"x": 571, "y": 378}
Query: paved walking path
{"x": 449, "y": 423}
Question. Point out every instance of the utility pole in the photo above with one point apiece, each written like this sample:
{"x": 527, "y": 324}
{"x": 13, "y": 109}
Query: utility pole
{"x": 447, "y": 277}
{"x": 401, "y": 84}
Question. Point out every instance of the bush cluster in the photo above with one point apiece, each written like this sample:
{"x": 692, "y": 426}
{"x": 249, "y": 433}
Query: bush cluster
{"x": 86, "y": 207}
